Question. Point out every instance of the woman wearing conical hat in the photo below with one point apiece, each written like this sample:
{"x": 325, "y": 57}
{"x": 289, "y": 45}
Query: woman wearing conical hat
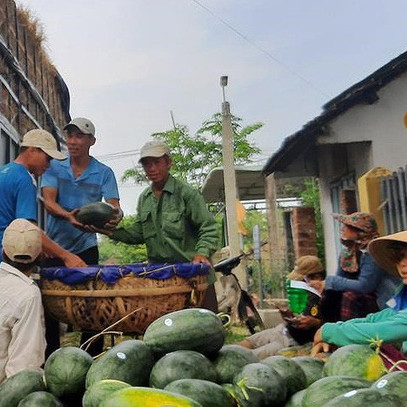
{"x": 360, "y": 285}
{"x": 388, "y": 325}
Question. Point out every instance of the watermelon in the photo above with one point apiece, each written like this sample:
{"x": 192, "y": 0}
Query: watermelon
{"x": 237, "y": 394}
{"x": 19, "y": 385}
{"x": 355, "y": 360}
{"x": 293, "y": 377}
{"x": 181, "y": 364}
{"x": 393, "y": 383}
{"x": 96, "y": 214}
{"x": 312, "y": 368}
{"x": 364, "y": 397}
{"x": 229, "y": 361}
{"x": 207, "y": 393}
{"x": 100, "y": 390}
{"x": 262, "y": 384}
{"x": 325, "y": 389}
{"x": 129, "y": 361}
{"x": 40, "y": 399}
{"x": 65, "y": 372}
{"x": 147, "y": 397}
{"x": 195, "y": 329}
{"x": 296, "y": 399}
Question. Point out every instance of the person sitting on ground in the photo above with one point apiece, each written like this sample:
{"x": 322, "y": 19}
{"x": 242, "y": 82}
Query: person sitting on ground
{"x": 388, "y": 325}
{"x": 360, "y": 286}
{"x": 295, "y": 330}
{"x": 22, "y": 331}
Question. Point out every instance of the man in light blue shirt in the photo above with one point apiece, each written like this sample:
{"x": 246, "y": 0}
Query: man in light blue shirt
{"x": 66, "y": 186}
{"x": 71, "y": 183}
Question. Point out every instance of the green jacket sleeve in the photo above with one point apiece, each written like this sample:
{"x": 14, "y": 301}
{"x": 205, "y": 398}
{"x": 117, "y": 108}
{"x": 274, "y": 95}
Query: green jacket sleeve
{"x": 131, "y": 234}
{"x": 387, "y": 325}
{"x": 204, "y": 222}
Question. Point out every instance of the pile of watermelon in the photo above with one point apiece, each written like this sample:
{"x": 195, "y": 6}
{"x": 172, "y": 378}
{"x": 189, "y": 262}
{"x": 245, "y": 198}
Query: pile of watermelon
{"x": 183, "y": 361}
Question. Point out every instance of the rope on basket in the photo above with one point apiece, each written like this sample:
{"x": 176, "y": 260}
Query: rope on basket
{"x": 107, "y": 330}
{"x": 395, "y": 364}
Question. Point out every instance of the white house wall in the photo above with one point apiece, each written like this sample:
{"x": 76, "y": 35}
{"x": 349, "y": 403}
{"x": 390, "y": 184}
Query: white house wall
{"x": 374, "y": 136}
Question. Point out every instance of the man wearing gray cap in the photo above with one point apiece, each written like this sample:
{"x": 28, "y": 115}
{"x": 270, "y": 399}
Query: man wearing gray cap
{"x": 66, "y": 186}
{"x": 172, "y": 218}
{"x": 22, "y": 333}
{"x": 73, "y": 182}
{"x": 18, "y": 198}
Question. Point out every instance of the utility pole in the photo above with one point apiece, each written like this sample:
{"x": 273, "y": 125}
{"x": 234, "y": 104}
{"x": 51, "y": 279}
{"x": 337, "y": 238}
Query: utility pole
{"x": 229, "y": 178}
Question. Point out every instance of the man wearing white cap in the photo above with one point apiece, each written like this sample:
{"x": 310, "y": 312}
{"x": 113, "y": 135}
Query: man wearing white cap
{"x": 172, "y": 218}
{"x": 66, "y": 186}
{"x": 22, "y": 333}
{"x": 18, "y": 197}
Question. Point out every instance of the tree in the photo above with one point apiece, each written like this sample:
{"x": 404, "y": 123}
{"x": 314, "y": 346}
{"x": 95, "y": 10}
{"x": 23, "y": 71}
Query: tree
{"x": 121, "y": 253}
{"x": 194, "y": 156}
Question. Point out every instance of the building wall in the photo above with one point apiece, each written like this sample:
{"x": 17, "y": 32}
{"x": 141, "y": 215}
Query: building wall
{"x": 32, "y": 94}
{"x": 364, "y": 137}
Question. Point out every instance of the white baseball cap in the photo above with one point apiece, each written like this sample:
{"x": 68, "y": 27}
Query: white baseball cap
{"x": 39, "y": 138}
{"x": 22, "y": 241}
{"x": 84, "y": 125}
{"x": 154, "y": 148}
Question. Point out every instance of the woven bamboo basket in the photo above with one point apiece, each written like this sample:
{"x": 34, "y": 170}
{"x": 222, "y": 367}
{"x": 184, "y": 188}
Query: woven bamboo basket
{"x": 95, "y": 305}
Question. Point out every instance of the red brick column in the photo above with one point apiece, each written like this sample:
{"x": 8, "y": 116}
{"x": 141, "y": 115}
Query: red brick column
{"x": 347, "y": 201}
{"x": 304, "y": 234}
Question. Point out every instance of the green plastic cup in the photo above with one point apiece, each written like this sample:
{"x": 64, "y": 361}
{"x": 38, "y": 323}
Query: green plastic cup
{"x": 297, "y": 297}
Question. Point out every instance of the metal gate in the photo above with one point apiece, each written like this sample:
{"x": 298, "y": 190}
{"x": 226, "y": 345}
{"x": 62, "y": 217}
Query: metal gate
{"x": 393, "y": 190}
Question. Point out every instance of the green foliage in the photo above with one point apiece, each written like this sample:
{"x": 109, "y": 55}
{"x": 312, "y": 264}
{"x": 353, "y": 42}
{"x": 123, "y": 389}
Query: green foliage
{"x": 194, "y": 156}
{"x": 252, "y": 218}
{"x": 121, "y": 253}
{"x": 310, "y": 197}
{"x": 273, "y": 282}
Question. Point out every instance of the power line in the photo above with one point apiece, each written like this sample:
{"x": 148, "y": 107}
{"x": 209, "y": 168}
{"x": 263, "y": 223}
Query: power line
{"x": 118, "y": 155}
{"x": 272, "y": 57}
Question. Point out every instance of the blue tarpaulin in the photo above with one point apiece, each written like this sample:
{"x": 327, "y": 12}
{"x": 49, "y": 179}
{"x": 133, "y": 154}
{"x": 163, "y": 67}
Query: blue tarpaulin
{"x": 111, "y": 273}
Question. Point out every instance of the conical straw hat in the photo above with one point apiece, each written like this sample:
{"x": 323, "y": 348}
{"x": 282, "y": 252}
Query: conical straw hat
{"x": 384, "y": 250}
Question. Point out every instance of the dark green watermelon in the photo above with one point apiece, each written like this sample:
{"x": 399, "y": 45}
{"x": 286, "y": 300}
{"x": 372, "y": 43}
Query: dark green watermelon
{"x": 100, "y": 390}
{"x": 262, "y": 384}
{"x": 129, "y": 361}
{"x": 237, "y": 394}
{"x": 327, "y": 388}
{"x": 96, "y": 214}
{"x": 364, "y": 397}
{"x": 40, "y": 399}
{"x": 393, "y": 383}
{"x": 181, "y": 364}
{"x": 16, "y": 387}
{"x": 229, "y": 361}
{"x": 65, "y": 372}
{"x": 312, "y": 367}
{"x": 296, "y": 399}
{"x": 207, "y": 393}
{"x": 195, "y": 329}
{"x": 293, "y": 376}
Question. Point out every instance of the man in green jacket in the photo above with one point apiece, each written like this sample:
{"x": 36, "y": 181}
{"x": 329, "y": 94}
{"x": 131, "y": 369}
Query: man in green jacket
{"x": 172, "y": 218}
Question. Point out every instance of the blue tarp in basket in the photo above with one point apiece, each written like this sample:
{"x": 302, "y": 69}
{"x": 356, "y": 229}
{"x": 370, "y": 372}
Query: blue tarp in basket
{"x": 111, "y": 273}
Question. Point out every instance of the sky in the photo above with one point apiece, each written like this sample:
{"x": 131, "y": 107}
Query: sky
{"x": 129, "y": 63}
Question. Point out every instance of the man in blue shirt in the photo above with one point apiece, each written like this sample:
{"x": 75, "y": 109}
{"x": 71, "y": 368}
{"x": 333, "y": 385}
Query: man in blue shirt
{"x": 18, "y": 197}
{"x": 71, "y": 183}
